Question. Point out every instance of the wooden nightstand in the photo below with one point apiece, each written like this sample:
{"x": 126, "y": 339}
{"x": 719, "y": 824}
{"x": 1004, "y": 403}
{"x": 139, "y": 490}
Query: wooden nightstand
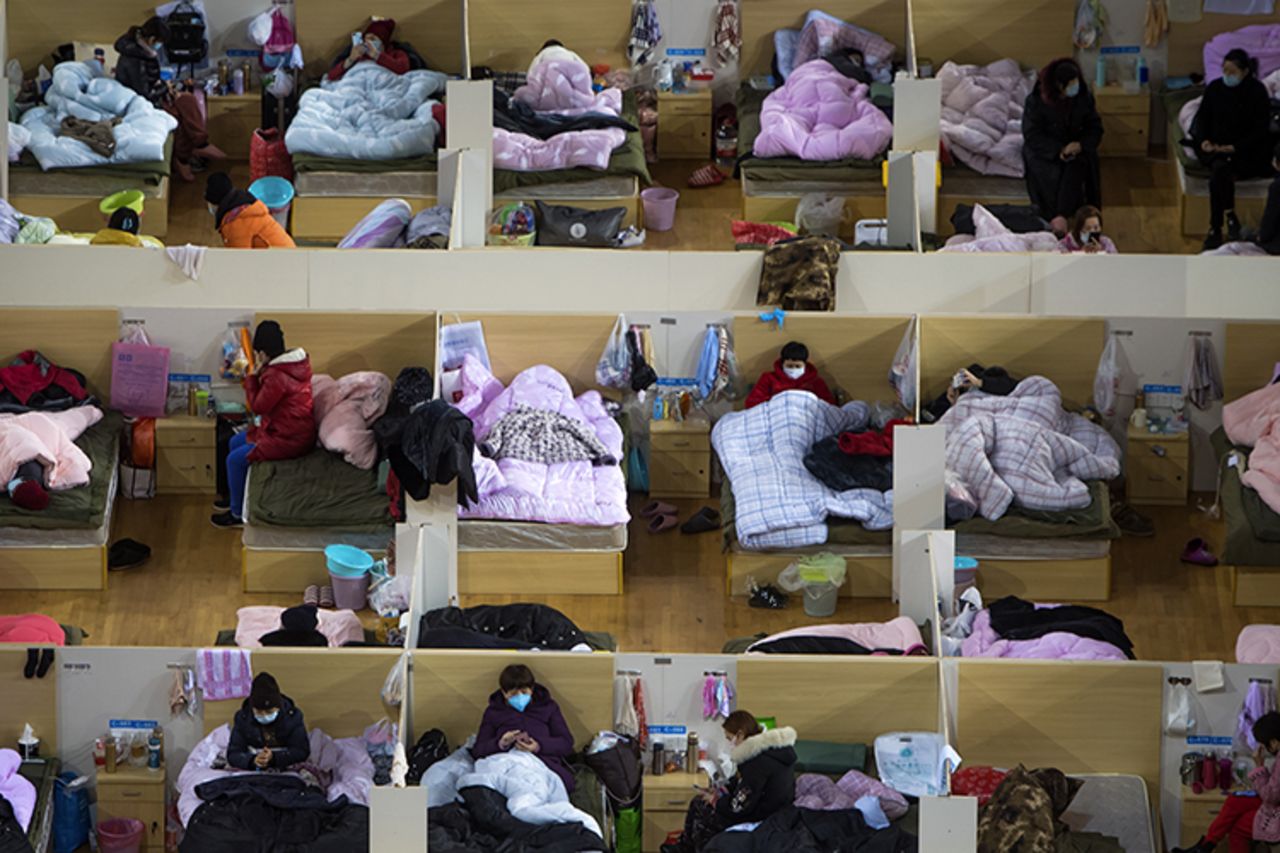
{"x": 680, "y": 459}
{"x": 1157, "y": 468}
{"x": 666, "y": 802}
{"x": 186, "y": 455}
{"x": 1126, "y": 121}
{"x": 684, "y": 125}
{"x": 1198, "y": 811}
{"x": 139, "y": 793}
{"x": 232, "y": 121}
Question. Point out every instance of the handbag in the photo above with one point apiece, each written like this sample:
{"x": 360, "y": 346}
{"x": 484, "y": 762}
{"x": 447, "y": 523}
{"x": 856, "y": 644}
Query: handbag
{"x": 562, "y": 225}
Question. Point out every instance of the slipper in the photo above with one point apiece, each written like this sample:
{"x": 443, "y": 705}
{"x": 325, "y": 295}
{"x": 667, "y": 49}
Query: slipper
{"x": 662, "y": 523}
{"x": 311, "y": 595}
{"x": 657, "y": 508}
{"x": 1198, "y": 554}
{"x": 326, "y": 597}
{"x": 127, "y": 554}
{"x": 704, "y": 520}
{"x": 707, "y": 176}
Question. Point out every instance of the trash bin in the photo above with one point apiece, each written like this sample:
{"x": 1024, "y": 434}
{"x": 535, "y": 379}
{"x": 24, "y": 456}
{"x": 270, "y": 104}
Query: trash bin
{"x": 659, "y": 208}
{"x": 121, "y": 835}
{"x": 349, "y": 569}
{"x": 820, "y": 599}
{"x": 277, "y": 194}
{"x": 819, "y": 577}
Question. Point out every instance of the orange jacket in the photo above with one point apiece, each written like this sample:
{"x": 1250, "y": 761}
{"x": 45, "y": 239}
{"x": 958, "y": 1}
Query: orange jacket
{"x": 252, "y": 227}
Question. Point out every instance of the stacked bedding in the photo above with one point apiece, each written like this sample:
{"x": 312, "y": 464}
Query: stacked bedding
{"x": 982, "y": 115}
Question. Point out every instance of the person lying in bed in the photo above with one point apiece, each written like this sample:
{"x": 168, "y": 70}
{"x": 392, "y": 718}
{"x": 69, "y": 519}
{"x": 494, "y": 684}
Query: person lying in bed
{"x": 992, "y": 380}
{"x": 278, "y": 393}
{"x": 554, "y": 49}
{"x": 791, "y": 372}
{"x": 522, "y": 716}
{"x": 1253, "y": 816}
{"x": 268, "y": 732}
{"x": 764, "y": 783}
{"x": 374, "y": 46}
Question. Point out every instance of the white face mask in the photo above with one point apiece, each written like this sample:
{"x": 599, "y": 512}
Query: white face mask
{"x": 793, "y": 373}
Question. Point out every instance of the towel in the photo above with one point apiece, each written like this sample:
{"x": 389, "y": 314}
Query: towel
{"x": 1207, "y": 675}
{"x": 1202, "y": 381}
{"x": 189, "y": 258}
{"x": 646, "y": 32}
{"x": 224, "y": 674}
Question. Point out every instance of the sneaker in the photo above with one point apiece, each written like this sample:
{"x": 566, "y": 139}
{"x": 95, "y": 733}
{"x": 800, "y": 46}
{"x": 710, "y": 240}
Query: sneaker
{"x": 1197, "y": 553}
{"x": 1130, "y": 521}
{"x": 1213, "y": 240}
{"x": 1233, "y": 228}
{"x": 222, "y": 504}
{"x": 227, "y": 520}
{"x": 768, "y": 597}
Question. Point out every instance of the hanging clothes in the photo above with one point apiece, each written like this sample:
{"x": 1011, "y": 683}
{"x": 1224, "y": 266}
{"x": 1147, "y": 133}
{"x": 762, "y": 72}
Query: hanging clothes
{"x": 1202, "y": 383}
{"x": 646, "y": 32}
{"x": 727, "y": 37}
{"x": 717, "y": 368}
{"x": 717, "y": 697}
{"x": 1157, "y": 23}
{"x": 1259, "y": 700}
{"x": 630, "y": 718}
{"x": 1091, "y": 20}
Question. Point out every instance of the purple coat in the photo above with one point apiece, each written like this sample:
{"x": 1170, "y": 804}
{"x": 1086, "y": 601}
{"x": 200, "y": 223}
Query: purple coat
{"x": 542, "y": 721}
{"x": 14, "y": 787}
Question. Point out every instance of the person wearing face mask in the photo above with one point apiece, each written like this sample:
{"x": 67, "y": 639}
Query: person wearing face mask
{"x": 1086, "y": 234}
{"x": 1061, "y": 131}
{"x": 268, "y": 731}
{"x": 764, "y": 782}
{"x": 791, "y": 372}
{"x": 242, "y": 220}
{"x": 1250, "y": 816}
{"x": 375, "y": 46}
{"x": 1231, "y": 137}
{"x": 138, "y": 68}
{"x": 523, "y": 717}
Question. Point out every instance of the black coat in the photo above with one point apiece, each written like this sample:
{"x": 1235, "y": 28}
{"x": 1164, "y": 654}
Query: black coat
{"x": 507, "y": 625}
{"x": 795, "y": 830}
{"x": 1047, "y": 128}
{"x": 12, "y": 837}
{"x": 840, "y": 471}
{"x": 432, "y": 444}
{"x": 273, "y": 814}
{"x": 287, "y": 737}
{"x": 138, "y": 67}
{"x": 766, "y": 779}
{"x": 1015, "y": 619}
{"x": 481, "y": 823}
{"x": 1239, "y": 116}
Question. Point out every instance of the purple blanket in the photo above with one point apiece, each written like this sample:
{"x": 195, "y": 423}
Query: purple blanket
{"x": 984, "y": 642}
{"x": 518, "y": 490}
{"x": 982, "y": 115}
{"x": 819, "y": 114}
{"x": 560, "y": 86}
{"x": 1261, "y": 41}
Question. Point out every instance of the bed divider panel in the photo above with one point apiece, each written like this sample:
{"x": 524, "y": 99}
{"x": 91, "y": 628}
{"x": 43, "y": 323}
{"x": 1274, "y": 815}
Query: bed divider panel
{"x": 433, "y": 27}
{"x": 1033, "y": 32}
{"x": 451, "y": 688}
{"x": 28, "y": 700}
{"x": 845, "y": 699}
{"x": 71, "y": 337}
{"x": 505, "y": 36}
{"x": 1078, "y": 716}
{"x": 1252, "y": 353}
{"x": 570, "y": 343}
{"x": 761, "y": 18}
{"x": 338, "y": 690}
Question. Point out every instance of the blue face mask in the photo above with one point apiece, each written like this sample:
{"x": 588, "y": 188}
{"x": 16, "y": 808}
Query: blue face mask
{"x": 1073, "y": 89}
{"x": 1232, "y": 80}
{"x": 266, "y": 719}
{"x": 520, "y": 701}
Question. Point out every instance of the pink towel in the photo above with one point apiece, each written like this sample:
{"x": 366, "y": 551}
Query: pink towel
{"x": 224, "y": 674}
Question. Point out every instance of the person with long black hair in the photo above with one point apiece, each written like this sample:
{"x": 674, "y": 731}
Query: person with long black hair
{"x": 1061, "y": 132}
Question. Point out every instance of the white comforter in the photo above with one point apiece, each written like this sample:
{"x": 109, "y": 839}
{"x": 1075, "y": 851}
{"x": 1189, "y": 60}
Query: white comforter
{"x": 80, "y": 90}
{"x": 982, "y": 115}
{"x": 535, "y": 794}
{"x": 370, "y": 114}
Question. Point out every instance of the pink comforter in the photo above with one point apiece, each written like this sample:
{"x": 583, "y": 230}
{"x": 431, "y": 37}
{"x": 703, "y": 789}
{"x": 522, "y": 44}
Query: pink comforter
{"x": 338, "y": 626}
{"x": 991, "y": 235}
{"x": 1258, "y": 644}
{"x": 50, "y": 438}
{"x": 345, "y": 409}
{"x": 984, "y": 642}
{"x": 819, "y": 114}
{"x": 1254, "y": 421}
{"x": 820, "y": 793}
{"x": 982, "y": 115}
{"x": 560, "y": 86}
{"x": 900, "y": 633}
{"x": 560, "y": 493}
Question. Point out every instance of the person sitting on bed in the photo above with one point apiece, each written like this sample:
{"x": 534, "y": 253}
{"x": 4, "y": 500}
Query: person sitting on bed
{"x": 278, "y": 393}
{"x": 554, "y": 49}
{"x": 138, "y": 68}
{"x": 1254, "y": 816}
{"x": 1230, "y": 136}
{"x": 764, "y": 783}
{"x": 523, "y": 716}
{"x": 121, "y": 230}
{"x": 243, "y": 221}
{"x": 1061, "y": 131}
{"x": 376, "y": 46}
{"x": 297, "y": 628}
{"x": 1086, "y": 234}
{"x": 791, "y": 372}
{"x": 992, "y": 380}
{"x": 268, "y": 731}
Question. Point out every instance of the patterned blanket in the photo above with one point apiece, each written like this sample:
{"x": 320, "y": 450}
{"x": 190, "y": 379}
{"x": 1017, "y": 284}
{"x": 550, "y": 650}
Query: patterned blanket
{"x": 1026, "y": 448}
{"x": 779, "y": 504}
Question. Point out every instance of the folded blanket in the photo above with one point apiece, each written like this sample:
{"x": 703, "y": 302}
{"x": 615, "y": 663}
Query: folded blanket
{"x": 982, "y": 115}
{"x": 561, "y": 87}
{"x": 345, "y": 409}
{"x": 819, "y": 114}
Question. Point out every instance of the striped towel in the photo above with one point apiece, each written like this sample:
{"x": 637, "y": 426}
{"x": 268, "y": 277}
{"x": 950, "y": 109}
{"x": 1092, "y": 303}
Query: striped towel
{"x": 224, "y": 673}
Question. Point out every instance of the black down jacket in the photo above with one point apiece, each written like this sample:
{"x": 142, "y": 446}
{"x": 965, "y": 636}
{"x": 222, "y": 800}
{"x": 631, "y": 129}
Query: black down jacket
{"x": 138, "y": 67}
{"x": 766, "y": 777}
{"x": 794, "y": 830}
{"x": 287, "y": 737}
{"x": 481, "y": 823}
{"x": 510, "y": 625}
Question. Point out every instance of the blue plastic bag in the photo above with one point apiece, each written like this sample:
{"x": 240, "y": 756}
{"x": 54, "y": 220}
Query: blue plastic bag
{"x": 70, "y": 815}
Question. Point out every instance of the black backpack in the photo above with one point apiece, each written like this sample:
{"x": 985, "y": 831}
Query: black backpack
{"x": 186, "y": 44}
{"x": 433, "y": 746}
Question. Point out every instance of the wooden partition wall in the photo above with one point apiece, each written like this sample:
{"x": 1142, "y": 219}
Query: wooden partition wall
{"x": 433, "y": 27}
{"x": 79, "y": 338}
{"x": 1252, "y": 353}
{"x": 28, "y": 700}
{"x": 1033, "y": 32}
{"x": 342, "y": 343}
{"x": 505, "y": 36}
{"x": 570, "y": 343}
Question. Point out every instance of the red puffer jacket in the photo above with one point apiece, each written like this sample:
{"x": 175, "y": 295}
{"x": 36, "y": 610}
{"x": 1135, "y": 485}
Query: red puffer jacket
{"x": 771, "y": 384}
{"x": 280, "y": 397}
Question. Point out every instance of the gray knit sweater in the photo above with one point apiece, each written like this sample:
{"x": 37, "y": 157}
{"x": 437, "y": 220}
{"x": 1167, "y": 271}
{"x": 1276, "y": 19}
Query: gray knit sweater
{"x": 537, "y": 435}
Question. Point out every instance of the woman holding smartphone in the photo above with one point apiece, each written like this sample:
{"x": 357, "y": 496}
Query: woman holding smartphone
{"x": 1086, "y": 234}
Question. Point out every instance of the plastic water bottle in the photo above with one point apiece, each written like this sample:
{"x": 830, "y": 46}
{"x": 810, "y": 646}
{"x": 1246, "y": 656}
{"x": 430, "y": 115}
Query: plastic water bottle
{"x": 1143, "y": 72}
{"x": 1100, "y": 73}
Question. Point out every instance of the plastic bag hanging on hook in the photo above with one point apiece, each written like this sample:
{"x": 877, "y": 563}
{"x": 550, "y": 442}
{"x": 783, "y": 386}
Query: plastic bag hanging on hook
{"x": 1180, "y": 719}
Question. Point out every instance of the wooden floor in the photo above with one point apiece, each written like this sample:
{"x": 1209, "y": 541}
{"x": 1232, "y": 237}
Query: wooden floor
{"x": 674, "y": 602}
{"x": 1141, "y": 209}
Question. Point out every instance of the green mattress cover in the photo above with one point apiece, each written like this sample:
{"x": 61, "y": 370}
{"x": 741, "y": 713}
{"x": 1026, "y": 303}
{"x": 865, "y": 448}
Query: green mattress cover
{"x": 83, "y": 508}
{"x": 151, "y": 173}
{"x": 319, "y": 490}
{"x": 1174, "y": 101}
{"x": 311, "y": 163}
{"x": 786, "y": 169}
{"x": 836, "y": 759}
{"x": 626, "y": 160}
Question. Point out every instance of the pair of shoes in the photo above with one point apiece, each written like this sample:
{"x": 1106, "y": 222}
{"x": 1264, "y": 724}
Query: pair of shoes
{"x": 311, "y": 595}
{"x": 127, "y": 554}
{"x": 1212, "y": 241}
{"x": 631, "y": 238}
{"x": 1130, "y": 521}
{"x": 227, "y": 520}
{"x": 326, "y": 597}
{"x": 704, "y": 520}
{"x": 768, "y": 597}
{"x": 1197, "y": 553}
{"x": 38, "y": 663}
{"x": 706, "y": 176}
{"x": 1233, "y": 228}
{"x": 662, "y": 516}
{"x": 222, "y": 504}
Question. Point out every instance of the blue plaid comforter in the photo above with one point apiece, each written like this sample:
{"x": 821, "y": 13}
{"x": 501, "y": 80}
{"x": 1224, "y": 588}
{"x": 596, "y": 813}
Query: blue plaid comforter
{"x": 778, "y": 503}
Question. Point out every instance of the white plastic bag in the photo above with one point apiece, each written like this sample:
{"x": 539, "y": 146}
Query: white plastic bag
{"x": 614, "y": 368}
{"x": 819, "y": 213}
{"x": 1180, "y": 720}
{"x": 902, "y": 373}
{"x": 1106, "y": 382}
{"x": 457, "y": 340}
{"x": 393, "y": 686}
{"x": 914, "y": 763}
{"x": 260, "y": 28}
